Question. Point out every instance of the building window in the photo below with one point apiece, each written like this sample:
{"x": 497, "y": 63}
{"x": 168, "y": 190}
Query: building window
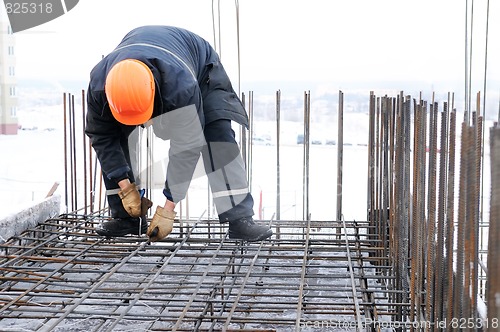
{"x": 11, "y": 50}
{"x": 12, "y": 71}
{"x": 12, "y": 91}
{"x": 13, "y": 111}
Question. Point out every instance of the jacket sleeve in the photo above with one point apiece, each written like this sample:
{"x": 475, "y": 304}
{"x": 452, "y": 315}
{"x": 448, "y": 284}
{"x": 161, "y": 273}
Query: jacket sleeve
{"x": 107, "y": 136}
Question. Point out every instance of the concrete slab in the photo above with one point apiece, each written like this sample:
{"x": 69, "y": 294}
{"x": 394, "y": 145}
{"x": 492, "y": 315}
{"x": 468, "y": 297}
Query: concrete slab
{"x": 16, "y": 223}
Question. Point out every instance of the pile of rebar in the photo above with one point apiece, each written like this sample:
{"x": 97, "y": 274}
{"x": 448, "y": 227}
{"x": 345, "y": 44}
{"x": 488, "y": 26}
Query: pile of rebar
{"x": 426, "y": 209}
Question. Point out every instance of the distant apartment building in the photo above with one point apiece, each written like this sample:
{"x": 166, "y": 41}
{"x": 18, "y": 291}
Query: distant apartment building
{"x": 8, "y": 94}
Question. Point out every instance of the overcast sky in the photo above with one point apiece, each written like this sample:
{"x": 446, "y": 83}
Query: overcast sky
{"x": 331, "y": 41}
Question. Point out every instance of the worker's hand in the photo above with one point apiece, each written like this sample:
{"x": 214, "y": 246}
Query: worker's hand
{"x": 161, "y": 225}
{"x": 131, "y": 200}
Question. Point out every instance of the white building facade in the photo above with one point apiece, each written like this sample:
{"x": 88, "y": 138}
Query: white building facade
{"x": 8, "y": 94}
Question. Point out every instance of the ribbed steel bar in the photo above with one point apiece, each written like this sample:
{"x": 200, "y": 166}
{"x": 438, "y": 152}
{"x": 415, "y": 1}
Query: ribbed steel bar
{"x": 74, "y": 171}
{"x": 494, "y": 231}
{"x": 305, "y": 173}
{"x": 477, "y": 215}
{"x": 431, "y": 212}
{"x": 340, "y": 157}
{"x": 450, "y": 229}
{"x": 406, "y": 198}
{"x": 415, "y": 225}
{"x": 399, "y": 256}
{"x": 439, "y": 266}
{"x": 421, "y": 202}
{"x": 384, "y": 207}
{"x": 65, "y": 144}
{"x": 458, "y": 297}
{"x": 378, "y": 174}
{"x": 84, "y": 142}
{"x": 278, "y": 166}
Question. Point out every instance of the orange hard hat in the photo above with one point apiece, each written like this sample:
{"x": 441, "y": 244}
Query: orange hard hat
{"x": 130, "y": 90}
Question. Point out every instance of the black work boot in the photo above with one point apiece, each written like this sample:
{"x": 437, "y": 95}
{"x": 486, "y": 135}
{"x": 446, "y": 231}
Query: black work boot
{"x": 122, "y": 226}
{"x": 246, "y": 229}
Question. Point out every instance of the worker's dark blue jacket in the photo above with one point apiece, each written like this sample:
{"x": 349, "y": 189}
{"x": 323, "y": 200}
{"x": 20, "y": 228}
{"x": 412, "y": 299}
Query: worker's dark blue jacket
{"x": 187, "y": 71}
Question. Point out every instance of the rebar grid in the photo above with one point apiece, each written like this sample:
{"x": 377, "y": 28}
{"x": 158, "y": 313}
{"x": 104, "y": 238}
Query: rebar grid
{"x": 60, "y": 276}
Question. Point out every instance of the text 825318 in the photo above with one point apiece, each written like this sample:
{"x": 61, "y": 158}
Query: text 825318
{"x": 28, "y": 8}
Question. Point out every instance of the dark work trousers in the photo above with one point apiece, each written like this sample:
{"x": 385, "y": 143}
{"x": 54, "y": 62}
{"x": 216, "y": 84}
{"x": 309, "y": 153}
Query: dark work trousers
{"x": 225, "y": 170}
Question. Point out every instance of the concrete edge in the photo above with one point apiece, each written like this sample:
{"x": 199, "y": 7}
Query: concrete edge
{"x": 16, "y": 223}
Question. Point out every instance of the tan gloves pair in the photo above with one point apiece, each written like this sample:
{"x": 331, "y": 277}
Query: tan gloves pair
{"x": 163, "y": 220}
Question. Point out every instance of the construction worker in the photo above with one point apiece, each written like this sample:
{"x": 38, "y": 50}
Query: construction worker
{"x": 171, "y": 79}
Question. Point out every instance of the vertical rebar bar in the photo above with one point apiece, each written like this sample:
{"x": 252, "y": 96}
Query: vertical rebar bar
{"x": 431, "y": 213}
{"x": 439, "y": 267}
{"x": 385, "y": 179}
{"x": 450, "y": 228}
{"x": 71, "y": 152}
{"x": 75, "y": 177}
{"x": 415, "y": 221}
{"x": 493, "y": 289}
{"x": 407, "y": 215}
{"x": 278, "y": 178}
{"x": 340, "y": 158}
{"x": 371, "y": 165}
{"x": 422, "y": 144}
{"x": 476, "y": 203}
{"x": 399, "y": 211}
{"x": 65, "y": 128}
{"x": 305, "y": 175}
{"x": 458, "y": 298}
{"x": 378, "y": 176}
{"x": 393, "y": 254}
{"x": 84, "y": 154}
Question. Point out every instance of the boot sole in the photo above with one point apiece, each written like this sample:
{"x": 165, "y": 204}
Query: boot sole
{"x": 107, "y": 233}
{"x": 260, "y": 237}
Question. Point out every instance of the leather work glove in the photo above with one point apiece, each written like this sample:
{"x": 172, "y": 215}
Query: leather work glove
{"x": 161, "y": 225}
{"x": 145, "y": 205}
{"x": 131, "y": 200}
